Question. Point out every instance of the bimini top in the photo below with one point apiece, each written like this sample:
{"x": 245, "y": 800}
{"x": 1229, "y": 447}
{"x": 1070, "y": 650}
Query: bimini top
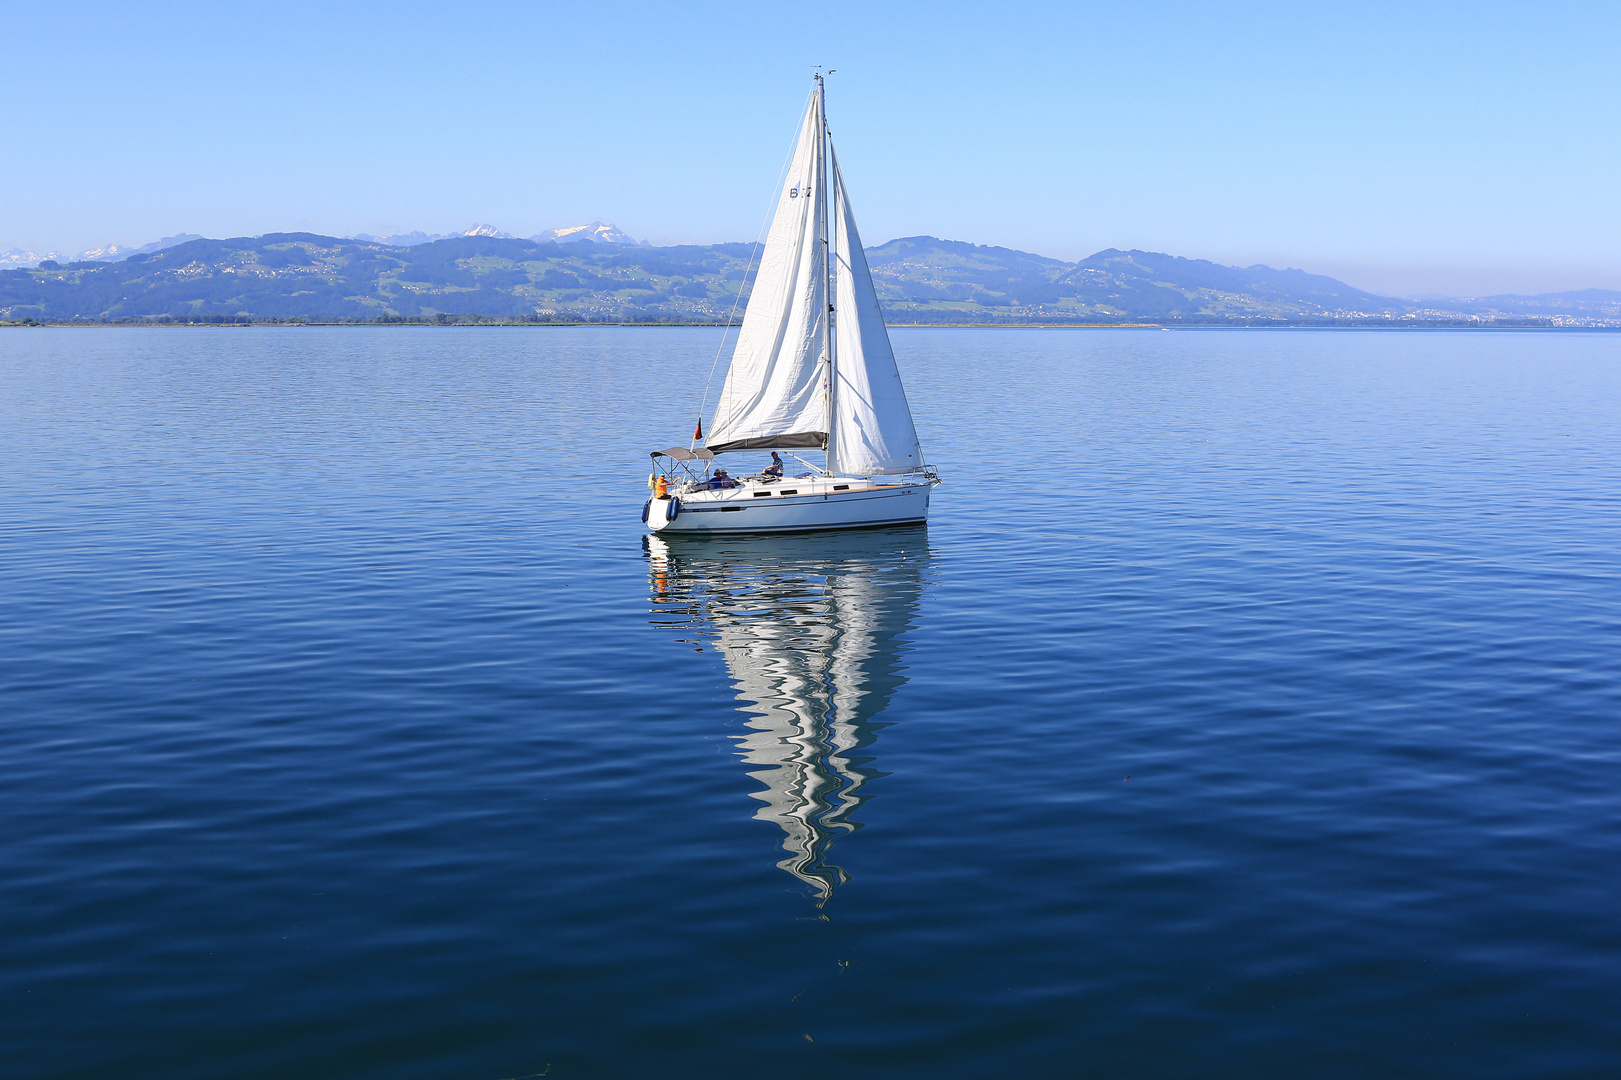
{"x": 680, "y": 453}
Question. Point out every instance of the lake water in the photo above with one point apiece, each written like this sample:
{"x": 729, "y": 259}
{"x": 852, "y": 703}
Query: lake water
{"x": 1250, "y": 707}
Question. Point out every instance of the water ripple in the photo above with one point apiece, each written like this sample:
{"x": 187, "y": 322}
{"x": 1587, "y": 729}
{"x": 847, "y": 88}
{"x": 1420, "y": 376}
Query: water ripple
{"x": 1247, "y": 708}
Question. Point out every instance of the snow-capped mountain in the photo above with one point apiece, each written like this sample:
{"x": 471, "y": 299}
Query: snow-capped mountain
{"x": 120, "y": 252}
{"x": 110, "y": 253}
{"x": 17, "y": 258}
{"x": 596, "y": 231}
{"x": 410, "y": 239}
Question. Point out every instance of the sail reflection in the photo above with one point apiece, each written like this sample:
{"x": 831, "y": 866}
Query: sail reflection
{"x": 812, "y": 628}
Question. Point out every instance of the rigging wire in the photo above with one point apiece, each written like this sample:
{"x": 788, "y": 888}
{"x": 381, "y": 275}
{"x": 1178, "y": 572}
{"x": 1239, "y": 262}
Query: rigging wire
{"x": 759, "y": 239}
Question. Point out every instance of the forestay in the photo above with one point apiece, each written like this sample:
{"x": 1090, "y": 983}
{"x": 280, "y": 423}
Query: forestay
{"x": 775, "y": 393}
{"x": 872, "y": 430}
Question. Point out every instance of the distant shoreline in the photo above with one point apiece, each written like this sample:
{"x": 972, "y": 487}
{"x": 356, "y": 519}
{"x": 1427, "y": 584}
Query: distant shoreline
{"x": 305, "y": 278}
{"x": 1530, "y": 324}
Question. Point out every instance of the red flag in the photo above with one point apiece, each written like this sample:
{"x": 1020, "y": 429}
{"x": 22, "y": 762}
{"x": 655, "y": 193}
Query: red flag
{"x": 698, "y": 432}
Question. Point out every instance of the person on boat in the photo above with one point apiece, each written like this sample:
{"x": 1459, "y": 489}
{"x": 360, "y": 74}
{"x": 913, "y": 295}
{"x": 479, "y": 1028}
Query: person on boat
{"x": 775, "y": 468}
{"x": 721, "y": 480}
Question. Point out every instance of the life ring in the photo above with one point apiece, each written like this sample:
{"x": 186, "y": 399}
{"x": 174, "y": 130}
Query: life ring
{"x": 675, "y": 508}
{"x": 646, "y": 506}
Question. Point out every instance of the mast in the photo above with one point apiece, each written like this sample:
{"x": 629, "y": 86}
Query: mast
{"x": 828, "y": 248}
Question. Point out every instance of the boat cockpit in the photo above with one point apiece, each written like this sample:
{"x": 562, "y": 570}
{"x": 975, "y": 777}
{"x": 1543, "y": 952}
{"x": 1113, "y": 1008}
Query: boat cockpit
{"x": 692, "y": 474}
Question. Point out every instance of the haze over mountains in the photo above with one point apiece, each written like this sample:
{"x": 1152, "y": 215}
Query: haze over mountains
{"x": 17, "y": 257}
{"x": 597, "y": 231}
{"x": 595, "y": 273}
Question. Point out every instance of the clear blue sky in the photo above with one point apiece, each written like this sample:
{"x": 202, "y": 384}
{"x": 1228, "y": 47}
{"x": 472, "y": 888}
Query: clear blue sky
{"x": 1405, "y": 147}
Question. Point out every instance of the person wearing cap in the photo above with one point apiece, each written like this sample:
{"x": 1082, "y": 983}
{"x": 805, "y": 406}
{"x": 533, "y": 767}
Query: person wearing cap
{"x": 775, "y": 468}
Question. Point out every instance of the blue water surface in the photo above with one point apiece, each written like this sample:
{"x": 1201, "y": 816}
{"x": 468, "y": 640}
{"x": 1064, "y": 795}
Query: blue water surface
{"x": 1250, "y": 706}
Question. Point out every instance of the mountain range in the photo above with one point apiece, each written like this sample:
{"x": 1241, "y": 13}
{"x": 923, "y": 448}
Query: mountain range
{"x": 17, "y": 258}
{"x": 596, "y": 231}
{"x": 594, "y": 273}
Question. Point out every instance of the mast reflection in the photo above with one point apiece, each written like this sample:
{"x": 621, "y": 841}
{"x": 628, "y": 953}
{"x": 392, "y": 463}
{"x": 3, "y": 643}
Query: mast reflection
{"x": 812, "y": 628}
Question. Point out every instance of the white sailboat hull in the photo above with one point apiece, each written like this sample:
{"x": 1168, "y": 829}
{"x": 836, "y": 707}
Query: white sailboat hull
{"x": 761, "y": 509}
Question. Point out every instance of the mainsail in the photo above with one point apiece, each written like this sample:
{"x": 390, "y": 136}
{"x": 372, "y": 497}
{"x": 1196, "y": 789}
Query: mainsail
{"x": 872, "y": 430}
{"x": 775, "y": 393}
{"x": 797, "y": 379}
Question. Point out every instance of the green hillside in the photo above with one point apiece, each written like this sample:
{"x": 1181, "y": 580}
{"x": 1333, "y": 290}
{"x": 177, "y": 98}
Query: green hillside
{"x": 310, "y": 278}
{"x": 301, "y": 276}
{"x": 924, "y": 279}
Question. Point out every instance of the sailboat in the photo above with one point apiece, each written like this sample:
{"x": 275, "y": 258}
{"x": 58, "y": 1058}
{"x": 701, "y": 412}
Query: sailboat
{"x": 812, "y": 370}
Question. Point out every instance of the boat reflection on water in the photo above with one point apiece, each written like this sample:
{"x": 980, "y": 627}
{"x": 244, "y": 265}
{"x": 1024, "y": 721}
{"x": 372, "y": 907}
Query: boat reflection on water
{"x": 812, "y": 628}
